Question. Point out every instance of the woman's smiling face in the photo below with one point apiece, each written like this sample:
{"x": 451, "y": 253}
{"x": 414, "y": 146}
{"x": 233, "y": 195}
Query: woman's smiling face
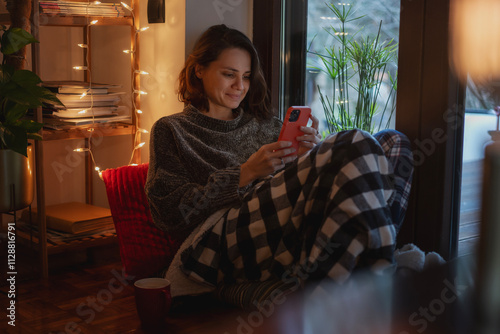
{"x": 226, "y": 80}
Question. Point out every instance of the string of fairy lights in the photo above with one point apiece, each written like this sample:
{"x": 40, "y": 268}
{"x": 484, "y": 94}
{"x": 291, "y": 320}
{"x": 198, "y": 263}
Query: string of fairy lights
{"x": 135, "y": 90}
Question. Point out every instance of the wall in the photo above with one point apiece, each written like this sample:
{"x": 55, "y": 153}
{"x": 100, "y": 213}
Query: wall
{"x": 201, "y": 14}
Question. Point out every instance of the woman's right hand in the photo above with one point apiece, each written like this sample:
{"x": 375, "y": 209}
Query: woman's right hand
{"x": 268, "y": 159}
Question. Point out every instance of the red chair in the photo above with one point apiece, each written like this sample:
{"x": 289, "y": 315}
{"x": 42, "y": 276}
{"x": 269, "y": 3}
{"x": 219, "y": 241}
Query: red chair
{"x": 144, "y": 249}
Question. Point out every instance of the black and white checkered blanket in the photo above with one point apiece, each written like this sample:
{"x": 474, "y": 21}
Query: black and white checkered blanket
{"x": 328, "y": 212}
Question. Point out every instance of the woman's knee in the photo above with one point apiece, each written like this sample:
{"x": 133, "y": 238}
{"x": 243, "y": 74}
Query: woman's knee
{"x": 344, "y": 140}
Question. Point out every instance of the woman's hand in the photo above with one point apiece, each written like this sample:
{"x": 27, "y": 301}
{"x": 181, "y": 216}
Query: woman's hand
{"x": 268, "y": 159}
{"x": 310, "y": 138}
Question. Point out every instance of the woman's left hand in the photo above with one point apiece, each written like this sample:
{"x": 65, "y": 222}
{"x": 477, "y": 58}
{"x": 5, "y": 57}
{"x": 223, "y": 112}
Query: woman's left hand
{"x": 310, "y": 138}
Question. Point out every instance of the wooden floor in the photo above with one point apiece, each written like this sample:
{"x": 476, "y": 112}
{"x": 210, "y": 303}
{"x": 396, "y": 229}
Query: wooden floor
{"x": 470, "y": 207}
{"x": 95, "y": 298}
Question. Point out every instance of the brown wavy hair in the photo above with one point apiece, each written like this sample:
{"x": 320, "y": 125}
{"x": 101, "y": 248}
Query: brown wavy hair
{"x": 206, "y": 50}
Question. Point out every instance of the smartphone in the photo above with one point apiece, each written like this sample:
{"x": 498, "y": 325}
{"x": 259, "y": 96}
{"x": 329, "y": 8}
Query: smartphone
{"x": 296, "y": 116}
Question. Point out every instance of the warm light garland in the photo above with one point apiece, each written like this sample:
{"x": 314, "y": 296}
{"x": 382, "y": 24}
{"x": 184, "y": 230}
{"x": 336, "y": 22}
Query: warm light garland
{"x": 136, "y": 90}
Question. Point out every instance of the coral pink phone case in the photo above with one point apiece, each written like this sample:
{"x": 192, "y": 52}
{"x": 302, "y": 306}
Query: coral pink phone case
{"x": 296, "y": 116}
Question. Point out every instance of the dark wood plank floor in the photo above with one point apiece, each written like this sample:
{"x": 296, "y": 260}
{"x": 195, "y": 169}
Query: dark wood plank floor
{"x": 89, "y": 298}
{"x": 470, "y": 207}
{"x": 95, "y": 298}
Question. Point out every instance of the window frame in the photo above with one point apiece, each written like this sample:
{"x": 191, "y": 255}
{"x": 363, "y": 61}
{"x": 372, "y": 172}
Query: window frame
{"x": 430, "y": 107}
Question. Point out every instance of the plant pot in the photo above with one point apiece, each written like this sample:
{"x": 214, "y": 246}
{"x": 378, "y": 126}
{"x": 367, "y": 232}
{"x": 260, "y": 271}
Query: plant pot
{"x": 16, "y": 180}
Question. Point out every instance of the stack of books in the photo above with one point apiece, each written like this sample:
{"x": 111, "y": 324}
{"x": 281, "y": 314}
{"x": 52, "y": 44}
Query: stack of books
{"x": 72, "y": 220}
{"x": 84, "y": 103}
{"x": 61, "y": 7}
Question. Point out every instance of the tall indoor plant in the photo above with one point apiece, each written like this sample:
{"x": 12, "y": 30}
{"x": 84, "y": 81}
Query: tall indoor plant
{"x": 358, "y": 68}
{"x": 20, "y": 91}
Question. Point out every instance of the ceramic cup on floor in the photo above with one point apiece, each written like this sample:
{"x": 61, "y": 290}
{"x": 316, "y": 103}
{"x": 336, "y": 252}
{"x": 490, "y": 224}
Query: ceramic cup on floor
{"x": 153, "y": 300}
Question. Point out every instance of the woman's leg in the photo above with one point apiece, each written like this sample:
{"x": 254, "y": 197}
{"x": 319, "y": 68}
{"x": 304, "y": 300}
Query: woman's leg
{"x": 316, "y": 218}
{"x": 397, "y": 149}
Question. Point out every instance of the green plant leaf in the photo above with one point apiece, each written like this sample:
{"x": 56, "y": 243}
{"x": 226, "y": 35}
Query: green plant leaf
{"x": 20, "y": 90}
{"x": 6, "y": 72}
{"x": 20, "y": 95}
{"x": 25, "y": 78}
{"x": 30, "y": 126}
{"x": 35, "y": 136}
{"x": 16, "y": 139}
{"x": 47, "y": 96}
{"x": 14, "y": 39}
{"x": 14, "y": 112}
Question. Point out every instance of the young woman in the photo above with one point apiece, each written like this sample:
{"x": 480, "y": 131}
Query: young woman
{"x": 265, "y": 211}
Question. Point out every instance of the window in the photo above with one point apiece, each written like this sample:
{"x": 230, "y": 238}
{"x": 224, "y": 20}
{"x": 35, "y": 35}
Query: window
{"x": 332, "y": 28}
{"x": 429, "y": 110}
{"x": 480, "y": 120}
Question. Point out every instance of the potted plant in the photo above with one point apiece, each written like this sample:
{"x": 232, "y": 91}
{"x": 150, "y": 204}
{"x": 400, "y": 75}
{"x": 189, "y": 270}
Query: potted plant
{"x": 20, "y": 91}
{"x": 358, "y": 69}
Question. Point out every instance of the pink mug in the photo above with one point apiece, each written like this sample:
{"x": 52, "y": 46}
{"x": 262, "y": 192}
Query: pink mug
{"x": 153, "y": 300}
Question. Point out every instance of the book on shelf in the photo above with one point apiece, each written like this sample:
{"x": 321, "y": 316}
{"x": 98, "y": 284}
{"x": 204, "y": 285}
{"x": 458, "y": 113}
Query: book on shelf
{"x": 88, "y": 101}
{"x": 74, "y": 217}
{"x": 61, "y": 7}
{"x": 78, "y": 87}
{"x": 69, "y": 123}
{"x": 85, "y": 112}
{"x": 57, "y": 237}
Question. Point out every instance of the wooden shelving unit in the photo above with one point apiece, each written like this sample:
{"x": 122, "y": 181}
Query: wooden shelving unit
{"x": 82, "y": 21}
{"x": 46, "y": 247}
{"x": 111, "y": 129}
{"x": 57, "y": 247}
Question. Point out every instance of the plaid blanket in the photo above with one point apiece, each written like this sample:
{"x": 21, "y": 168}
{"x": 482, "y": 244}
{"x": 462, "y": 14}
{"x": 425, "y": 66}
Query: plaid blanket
{"x": 323, "y": 215}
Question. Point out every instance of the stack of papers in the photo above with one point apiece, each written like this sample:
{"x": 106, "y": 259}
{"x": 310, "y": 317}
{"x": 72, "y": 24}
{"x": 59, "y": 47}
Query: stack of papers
{"x": 84, "y": 103}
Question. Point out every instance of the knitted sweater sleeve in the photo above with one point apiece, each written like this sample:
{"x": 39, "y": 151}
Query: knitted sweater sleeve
{"x": 177, "y": 203}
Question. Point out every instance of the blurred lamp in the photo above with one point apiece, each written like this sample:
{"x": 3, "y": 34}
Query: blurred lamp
{"x": 476, "y": 39}
{"x": 475, "y": 50}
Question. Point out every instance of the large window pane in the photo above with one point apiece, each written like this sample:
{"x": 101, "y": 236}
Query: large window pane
{"x": 325, "y": 33}
{"x": 480, "y": 120}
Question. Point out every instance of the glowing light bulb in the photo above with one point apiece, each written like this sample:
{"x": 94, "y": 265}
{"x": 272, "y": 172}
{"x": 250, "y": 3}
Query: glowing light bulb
{"x": 143, "y": 130}
{"x": 141, "y": 72}
{"x": 80, "y": 68}
{"x": 93, "y": 22}
{"x": 142, "y": 29}
{"x": 140, "y": 92}
{"x": 139, "y": 111}
{"x": 140, "y": 145}
{"x": 126, "y": 6}
{"x": 83, "y": 46}
{"x": 128, "y": 51}
{"x": 81, "y": 149}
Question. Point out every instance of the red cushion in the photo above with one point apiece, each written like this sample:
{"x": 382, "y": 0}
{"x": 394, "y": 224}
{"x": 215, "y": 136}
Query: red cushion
{"x": 144, "y": 249}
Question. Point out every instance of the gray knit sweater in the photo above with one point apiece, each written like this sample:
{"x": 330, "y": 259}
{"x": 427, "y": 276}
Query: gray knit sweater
{"x": 194, "y": 165}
